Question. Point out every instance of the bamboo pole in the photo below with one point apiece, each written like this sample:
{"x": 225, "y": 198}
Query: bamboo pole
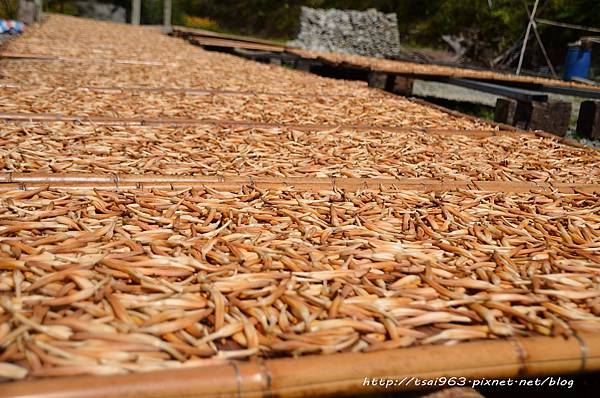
{"x": 52, "y": 57}
{"x": 87, "y": 181}
{"x": 337, "y": 374}
{"x": 541, "y": 44}
{"x": 567, "y": 25}
{"x": 187, "y": 90}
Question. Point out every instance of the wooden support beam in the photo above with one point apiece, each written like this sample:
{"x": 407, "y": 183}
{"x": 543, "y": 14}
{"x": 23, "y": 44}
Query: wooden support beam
{"x": 550, "y": 116}
{"x": 591, "y": 92}
{"x": 505, "y": 111}
{"x": 382, "y": 80}
{"x": 402, "y": 85}
{"x": 588, "y": 122}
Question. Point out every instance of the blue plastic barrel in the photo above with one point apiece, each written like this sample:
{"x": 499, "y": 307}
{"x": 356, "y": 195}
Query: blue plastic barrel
{"x": 577, "y": 62}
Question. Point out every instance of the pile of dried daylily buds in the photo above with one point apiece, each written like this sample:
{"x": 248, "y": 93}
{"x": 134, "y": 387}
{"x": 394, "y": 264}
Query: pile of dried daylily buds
{"x": 72, "y": 86}
{"x": 284, "y": 152}
{"x": 105, "y": 280}
{"x": 270, "y": 108}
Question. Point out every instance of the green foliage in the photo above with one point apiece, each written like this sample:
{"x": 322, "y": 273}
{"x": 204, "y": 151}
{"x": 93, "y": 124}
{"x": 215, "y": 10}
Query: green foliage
{"x": 421, "y": 22}
{"x": 63, "y": 7}
{"x": 201, "y": 23}
{"x": 8, "y": 9}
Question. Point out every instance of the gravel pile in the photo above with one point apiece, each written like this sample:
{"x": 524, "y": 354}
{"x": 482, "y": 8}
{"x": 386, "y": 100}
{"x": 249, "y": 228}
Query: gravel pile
{"x": 369, "y": 33}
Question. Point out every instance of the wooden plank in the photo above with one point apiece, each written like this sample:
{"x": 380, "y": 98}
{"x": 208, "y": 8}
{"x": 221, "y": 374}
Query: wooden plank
{"x": 588, "y": 122}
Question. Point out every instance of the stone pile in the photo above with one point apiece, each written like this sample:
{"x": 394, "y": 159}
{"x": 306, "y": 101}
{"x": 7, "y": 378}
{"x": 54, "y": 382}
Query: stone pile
{"x": 369, "y": 33}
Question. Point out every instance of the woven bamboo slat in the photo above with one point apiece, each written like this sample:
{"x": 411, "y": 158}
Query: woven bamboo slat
{"x": 341, "y": 373}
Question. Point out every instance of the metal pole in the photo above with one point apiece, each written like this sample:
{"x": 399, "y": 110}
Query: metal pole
{"x": 543, "y": 48}
{"x": 531, "y": 19}
{"x": 167, "y": 7}
{"x": 136, "y": 11}
{"x": 539, "y": 39}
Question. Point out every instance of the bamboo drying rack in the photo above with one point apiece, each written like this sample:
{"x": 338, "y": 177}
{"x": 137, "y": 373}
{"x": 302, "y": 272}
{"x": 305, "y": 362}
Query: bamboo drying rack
{"x": 329, "y": 375}
{"x": 52, "y": 57}
{"x": 413, "y": 69}
{"x": 311, "y": 375}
